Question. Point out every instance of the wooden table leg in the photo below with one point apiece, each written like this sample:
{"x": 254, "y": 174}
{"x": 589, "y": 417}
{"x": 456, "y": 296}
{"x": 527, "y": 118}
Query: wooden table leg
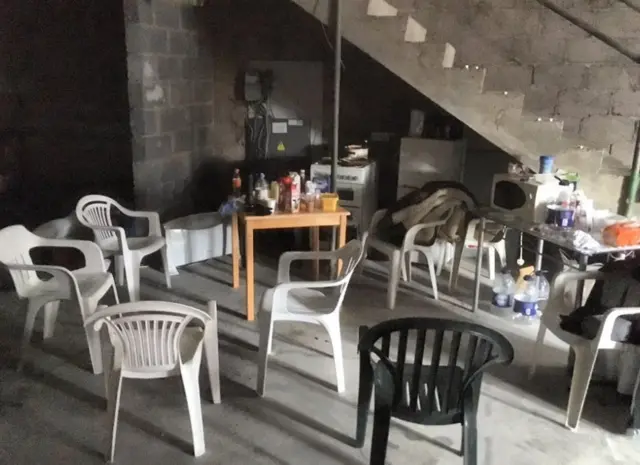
{"x": 342, "y": 239}
{"x": 250, "y": 277}
{"x": 235, "y": 251}
{"x": 315, "y": 246}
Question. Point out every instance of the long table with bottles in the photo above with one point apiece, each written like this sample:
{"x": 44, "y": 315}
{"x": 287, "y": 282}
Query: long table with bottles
{"x": 557, "y": 237}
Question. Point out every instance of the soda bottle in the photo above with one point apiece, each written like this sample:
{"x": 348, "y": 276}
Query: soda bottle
{"x": 236, "y": 183}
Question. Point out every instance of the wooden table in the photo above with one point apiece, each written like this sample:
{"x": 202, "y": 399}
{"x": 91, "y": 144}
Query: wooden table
{"x": 252, "y": 223}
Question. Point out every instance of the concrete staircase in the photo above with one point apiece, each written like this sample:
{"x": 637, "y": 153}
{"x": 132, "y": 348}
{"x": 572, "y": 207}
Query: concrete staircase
{"x": 389, "y": 33}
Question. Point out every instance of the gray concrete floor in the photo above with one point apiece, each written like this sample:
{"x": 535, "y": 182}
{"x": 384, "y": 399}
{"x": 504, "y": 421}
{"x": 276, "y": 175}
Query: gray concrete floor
{"x": 54, "y": 412}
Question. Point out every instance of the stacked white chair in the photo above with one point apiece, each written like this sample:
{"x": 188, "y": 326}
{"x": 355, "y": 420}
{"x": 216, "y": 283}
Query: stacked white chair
{"x": 85, "y": 286}
{"x": 95, "y": 212}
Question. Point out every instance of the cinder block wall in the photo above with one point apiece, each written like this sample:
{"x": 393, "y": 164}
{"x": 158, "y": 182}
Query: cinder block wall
{"x": 170, "y": 68}
{"x": 563, "y": 71}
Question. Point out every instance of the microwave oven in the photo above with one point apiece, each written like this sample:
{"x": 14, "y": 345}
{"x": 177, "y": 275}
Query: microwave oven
{"x": 525, "y": 198}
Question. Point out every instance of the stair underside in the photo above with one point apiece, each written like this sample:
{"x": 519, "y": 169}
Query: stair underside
{"x": 497, "y": 116}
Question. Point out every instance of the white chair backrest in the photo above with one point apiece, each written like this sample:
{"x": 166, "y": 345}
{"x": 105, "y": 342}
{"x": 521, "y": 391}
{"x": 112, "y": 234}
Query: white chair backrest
{"x": 350, "y": 254}
{"x": 95, "y": 210}
{"x": 16, "y": 243}
{"x": 147, "y": 333}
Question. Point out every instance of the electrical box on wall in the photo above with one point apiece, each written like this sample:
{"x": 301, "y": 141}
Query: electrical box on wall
{"x": 288, "y": 137}
{"x": 252, "y": 89}
{"x": 258, "y": 85}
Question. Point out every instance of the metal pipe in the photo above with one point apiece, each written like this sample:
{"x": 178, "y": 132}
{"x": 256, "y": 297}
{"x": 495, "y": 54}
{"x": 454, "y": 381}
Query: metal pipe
{"x": 337, "y": 75}
{"x": 337, "y": 55}
{"x": 634, "y": 180}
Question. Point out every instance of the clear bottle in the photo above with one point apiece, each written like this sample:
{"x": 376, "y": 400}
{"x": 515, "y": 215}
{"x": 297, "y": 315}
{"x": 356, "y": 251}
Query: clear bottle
{"x": 525, "y": 302}
{"x": 303, "y": 182}
{"x": 503, "y": 294}
{"x": 543, "y": 288}
{"x": 262, "y": 188}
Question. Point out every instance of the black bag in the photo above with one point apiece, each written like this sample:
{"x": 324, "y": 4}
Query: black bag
{"x": 620, "y": 288}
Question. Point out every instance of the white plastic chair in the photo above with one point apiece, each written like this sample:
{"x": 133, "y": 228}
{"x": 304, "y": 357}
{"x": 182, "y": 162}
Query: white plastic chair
{"x": 85, "y": 286}
{"x": 560, "y": 302}
{"x": 305, "y": 302}
{"x": 94, "y": 211}
{"x": 400, "y": 258}
{"x": 491, "y": 246}
{"x": 153, "y": 340}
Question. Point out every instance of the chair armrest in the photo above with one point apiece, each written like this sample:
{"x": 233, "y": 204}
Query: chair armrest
{"x": 606, "y": 328}
{"x": 56, "y": 272}
{"x": 375, "y": 219}
{"x": 284, "y": 263}
{"x": 410, "y": 236}
{"x": 94, "y": 260}
{"x": 562, "y": 279}
{"x": 281, "y": 290}
{"x": 154, "y": 219}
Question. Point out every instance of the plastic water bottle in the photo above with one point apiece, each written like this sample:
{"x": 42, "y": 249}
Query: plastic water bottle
{"x": 525, "y": 302}
{"x": 502, "y": 295}
{"x": 543, "y": 287}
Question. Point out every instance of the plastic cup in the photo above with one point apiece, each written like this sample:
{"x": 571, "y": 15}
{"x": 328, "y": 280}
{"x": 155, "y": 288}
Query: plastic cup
{"x": 546, "y": 164}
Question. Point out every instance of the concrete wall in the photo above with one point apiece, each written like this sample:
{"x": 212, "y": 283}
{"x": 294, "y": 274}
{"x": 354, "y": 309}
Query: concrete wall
{"x": 372, "y": 98}
{"x": 170, "y": 69}
{"x": 63, "y": 92}
{"x": 564, "y": 72}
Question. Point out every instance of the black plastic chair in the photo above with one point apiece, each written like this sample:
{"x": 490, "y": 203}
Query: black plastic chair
{"x": 433, "y": 394}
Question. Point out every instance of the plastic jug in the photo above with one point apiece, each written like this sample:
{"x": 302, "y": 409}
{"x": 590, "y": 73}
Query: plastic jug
{"x": 525, "y": 302}
{"x": 502, "y": 293}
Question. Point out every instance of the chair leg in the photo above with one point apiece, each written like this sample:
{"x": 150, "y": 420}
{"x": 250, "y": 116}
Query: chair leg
{"x": 266, "y": 334}
{"x": 407, "y": 268}
{"x": 165, "y": 266}
{"x": 119, "y": 268}
{"x": 542, "y": 330}
{"x": 455, "y": 269}
{"x": 132, "y": 272}
{"x": 501, "y": 251}
{"x": 582, "y": 370}
{"x": 365, "y": 389}
{"x": 50, "y": 316}
{"x": 432, "y": 272}
{"x": 394, "y": 276}
{"x": 442, "y": 257}
{"x": 380, "y": 437}
{"x": 189, "y": 373}
{"x": 470, "y": 438}
{"x": 115, "y": 293}
{"x": 491, "y": 258}
{"x": 333, "y": 328}
{"x": 32, "y": 312}
{"x": 114, "y": 389}
{"x": 95, "y": 350}
{"x": 432, "y": 275}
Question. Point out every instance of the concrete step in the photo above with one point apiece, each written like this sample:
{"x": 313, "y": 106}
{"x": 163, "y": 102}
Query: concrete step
{"x": 461, "y": 80}
{"x": 381, "y": 8}
{"x": 403, "y": 6}
{"x": 375, "y": 35}
{"x": 510, "y": 77}
{"x": 401, "y": 28}
{"x": 501, "y": 107}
